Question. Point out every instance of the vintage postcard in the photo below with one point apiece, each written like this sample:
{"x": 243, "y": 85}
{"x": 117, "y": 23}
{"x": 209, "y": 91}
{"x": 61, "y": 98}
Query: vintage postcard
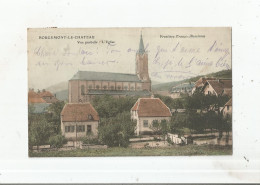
{"x": 129, "y": 92}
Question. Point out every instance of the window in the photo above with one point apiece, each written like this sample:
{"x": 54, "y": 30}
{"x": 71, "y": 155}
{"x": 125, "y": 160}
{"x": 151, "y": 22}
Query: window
{"x": 155, "y": 123}
{"x": 209, "y": 93}
{"x": 69, "y": 128}
{"x": 145, "y": 123}
{"x": 89, "y": 130}
{"x": 227, "y": 107}
{"x": 118, "y": 87}
{"x": 97, "y": 86}
{"x": 132, "y": 88}
{"x": 90, "y": 86}
{"x": 82, "y": 89}
{"x": 112, "y": 87}
{"x": 90, "y": 117}
{"x": 81, "y": 128}
{"x": 105, "y": 87}
{"x": 125, "y": 88}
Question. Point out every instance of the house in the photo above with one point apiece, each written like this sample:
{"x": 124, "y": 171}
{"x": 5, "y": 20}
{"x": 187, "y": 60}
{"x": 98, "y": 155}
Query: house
{"x": 47, "y": 96}
{"x": 79, "y": 120}
{"x": 218, "y": 87}
{"x": 184, "y": 88}
{"x": 85, "y": 85}
{"x": 227, "y": 110}
{"x": 200, "y": 83}
{"x": 41, "y": 97}
{"x": 148, "y": 110}
{"x": 33, "y": 97}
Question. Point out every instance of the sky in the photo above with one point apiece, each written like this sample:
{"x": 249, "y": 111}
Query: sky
{"x": 56, "y": 54}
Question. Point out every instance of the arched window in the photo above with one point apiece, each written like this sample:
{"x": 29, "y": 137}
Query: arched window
{"x": 82, "y": 89}
{"x": 125, "y": 88}
{"x": 118, "y": 87}
{"x": 105, "y": 87}
{"x": 112, "y": 87}
{"x": 97, "y": 86}
{"x": 90, "y": 87}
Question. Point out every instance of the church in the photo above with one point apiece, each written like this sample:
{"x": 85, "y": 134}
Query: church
{"x": 85, "y": 85}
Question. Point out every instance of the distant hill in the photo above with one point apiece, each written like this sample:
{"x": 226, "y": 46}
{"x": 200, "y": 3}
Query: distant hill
{"x": 62, "y": 95}
{"x": 168, "y": 86}
{"x": 58, "y": 87}
{"x": 60, "y": 90}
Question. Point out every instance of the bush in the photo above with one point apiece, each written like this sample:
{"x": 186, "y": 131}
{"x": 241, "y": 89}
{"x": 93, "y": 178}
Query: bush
{"x": 90, "y": 140}
{"x": 169, "y": 141}
{"x": 116, "y": 131}
{"x": 57, "y": 141}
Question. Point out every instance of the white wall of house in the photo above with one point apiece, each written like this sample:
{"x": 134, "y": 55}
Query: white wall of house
{"x": 141, "y": 125}
{"x": 209, "y": 90}
{"x": 72, "y": 135}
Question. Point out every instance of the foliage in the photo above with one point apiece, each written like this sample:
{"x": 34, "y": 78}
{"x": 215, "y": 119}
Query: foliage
{"x": 171, "y": 103}
{"x": 90, "y": 140}
{"x": 108, "y": 106}
{"x": 116, "y": 131}
{"x": 39, "y": 131}
{"x": 43, "y": 126}
{"x": 57, "y": 141}
{"x": 54, "y": 115}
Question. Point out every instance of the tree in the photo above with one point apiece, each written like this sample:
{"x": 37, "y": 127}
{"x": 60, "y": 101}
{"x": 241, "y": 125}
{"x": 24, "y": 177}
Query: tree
{"x": 164, "y": 127}
{"x": 39, "y": 132}
{"x": 54, "y": 115}
{"x": 108, "y": 106}
{"x": 116, "y": 131}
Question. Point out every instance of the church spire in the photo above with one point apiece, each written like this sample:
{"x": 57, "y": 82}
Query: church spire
{"x": 141, "y": 46}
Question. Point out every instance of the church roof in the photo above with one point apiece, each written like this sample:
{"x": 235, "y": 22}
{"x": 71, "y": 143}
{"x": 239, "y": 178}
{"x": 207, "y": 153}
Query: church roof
{"x": 141, "y": 46}
{"x": 105, "y": 76}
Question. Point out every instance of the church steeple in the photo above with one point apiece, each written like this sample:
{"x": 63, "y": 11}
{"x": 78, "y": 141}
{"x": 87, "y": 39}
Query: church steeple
{"x": 141, "y": 45}
{"x": 141, "y": 66}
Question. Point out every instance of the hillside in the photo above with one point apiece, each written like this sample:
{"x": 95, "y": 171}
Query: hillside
{"x": 58, "y": 87}
{"x": 167, "y": 86}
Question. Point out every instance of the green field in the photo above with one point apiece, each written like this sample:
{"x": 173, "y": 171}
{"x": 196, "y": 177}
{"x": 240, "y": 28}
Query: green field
{"x": 186, "y": 150}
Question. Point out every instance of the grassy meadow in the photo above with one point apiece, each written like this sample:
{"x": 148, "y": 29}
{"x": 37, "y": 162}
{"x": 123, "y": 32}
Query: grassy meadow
{"x": 187, "y": 150}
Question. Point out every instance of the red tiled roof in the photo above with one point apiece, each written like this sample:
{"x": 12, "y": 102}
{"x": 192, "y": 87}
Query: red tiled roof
{"x": 36, "y": 100}
{"x": 78, "y": 112}
{"x": 227, "y": 92}
{"x": 135, "y": 106}
{"x": 229, "y": 102}
{"x": 221, "y": 85}
{"x": 151, "y": 107}
{"x": 32, "y": 94}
